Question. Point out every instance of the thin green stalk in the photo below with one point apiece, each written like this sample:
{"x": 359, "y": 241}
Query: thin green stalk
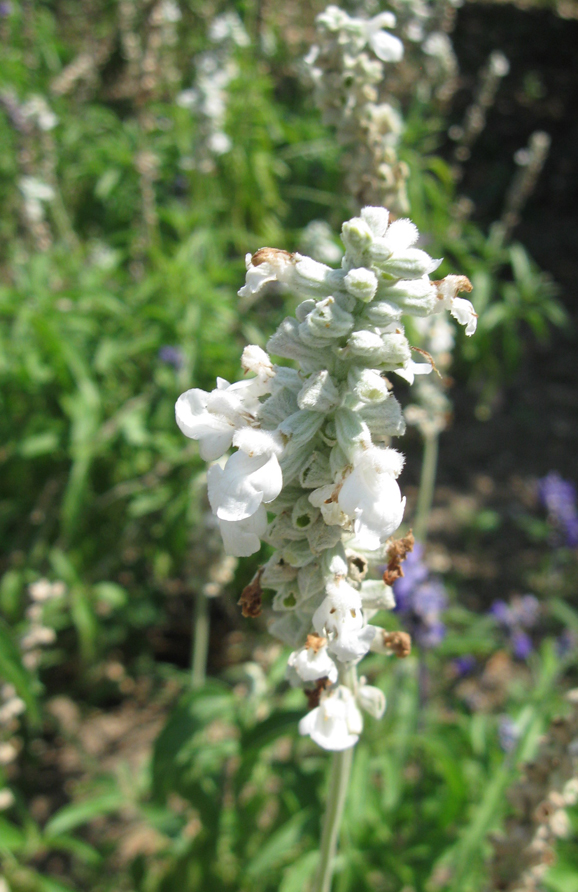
{"x": 426, "y": 486}
{"x": 200, "y": 645}
{"x": 338, "y": 783}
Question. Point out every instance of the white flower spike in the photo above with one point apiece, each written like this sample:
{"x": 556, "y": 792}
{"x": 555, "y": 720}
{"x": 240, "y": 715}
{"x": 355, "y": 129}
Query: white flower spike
{"x": 312, "y": 472}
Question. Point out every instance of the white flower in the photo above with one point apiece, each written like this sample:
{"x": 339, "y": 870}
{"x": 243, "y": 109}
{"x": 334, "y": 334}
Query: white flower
{"x": 312, "y": 661}
{"x": 264, "y": 266}
{"x": 460, "y": 308}
{"x": 371, "y": 495}
{"x": 212, "y": 418}
{"x": 385, "y": 46}
{"x": 255, "y": 360}
{"x": 250, "y": 477}
{"x": 411, "y": 369}
{"x": 325, "y": 498}
{"x": 336, "y": 723}
{"x": 340, "y": 617}
{"x": 242, "y": 537}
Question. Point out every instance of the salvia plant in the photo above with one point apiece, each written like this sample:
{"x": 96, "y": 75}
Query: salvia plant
{"x": 313, "y": 474}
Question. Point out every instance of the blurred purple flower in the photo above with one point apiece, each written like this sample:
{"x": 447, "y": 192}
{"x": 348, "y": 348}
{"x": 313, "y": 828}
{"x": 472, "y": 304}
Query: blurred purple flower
{"x": 5, "y": 9}
{"x": 464, "y": 665}
{"x": 521, "y": 645}
{"x": 558, "y": 497}
{"x": 502, "y": 613}
{"x": 520, "y": 614}
{"x": 420, "y": 599}
{"x": 172, "y": 356}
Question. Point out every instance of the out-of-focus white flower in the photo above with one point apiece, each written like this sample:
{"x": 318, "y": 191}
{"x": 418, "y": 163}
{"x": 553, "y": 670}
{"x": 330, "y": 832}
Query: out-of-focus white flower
{"x": 219, "y": 143}
{"x": 385, "y": 46}
{"x": 371, "y": 495}
{"x": 371, "y": 699}
{"x": 6, "y": 799}
{"x": 336, "y": 723}
{"x": 37, "y": 109}
{"x": 34, "y": 189}
{"x": 228, "y": 26}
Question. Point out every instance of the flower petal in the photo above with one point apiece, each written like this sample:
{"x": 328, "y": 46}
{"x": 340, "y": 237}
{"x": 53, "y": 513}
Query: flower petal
{"x": 242, "y": 537}
{"x": 237, "y": 490}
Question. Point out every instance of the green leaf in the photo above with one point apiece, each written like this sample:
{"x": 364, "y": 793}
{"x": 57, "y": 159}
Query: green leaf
{"x": 11, "y": 837}
{"x": 296, "y": 877}
{"x": 71, "y": 816}
{"x": 185, "y": 760}
{"x": 279, "y": 847}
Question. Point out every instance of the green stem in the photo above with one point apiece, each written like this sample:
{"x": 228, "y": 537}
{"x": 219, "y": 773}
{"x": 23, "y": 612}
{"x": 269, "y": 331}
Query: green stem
{"x": 338, "y": 783}
{"x": 200, "y": 646}
{"x": 426, "y": 486}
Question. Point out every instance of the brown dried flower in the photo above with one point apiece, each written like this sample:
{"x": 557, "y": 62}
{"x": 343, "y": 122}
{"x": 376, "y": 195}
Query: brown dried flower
{"x": 251, "y": 597}
{"x": 396, "y": 554}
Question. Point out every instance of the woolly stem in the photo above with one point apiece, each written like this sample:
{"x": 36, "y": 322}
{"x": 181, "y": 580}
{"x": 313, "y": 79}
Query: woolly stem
{"x": 426, "y": 486}
{"x": 338, "y": 783}
{"x": 200, "y": 644}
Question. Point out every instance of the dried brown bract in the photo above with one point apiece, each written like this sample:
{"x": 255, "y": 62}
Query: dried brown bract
{"x": 313, "y": 695}
{"x": 268, "y": 255}
{"x": 315, "y": 642}
{"x": 396, "y": 554}
{"x": 399, "y": 643}
{"x": 251, "y": 597}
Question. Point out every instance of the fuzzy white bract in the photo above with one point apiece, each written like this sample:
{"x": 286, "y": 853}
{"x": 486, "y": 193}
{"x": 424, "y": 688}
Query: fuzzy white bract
{"x": 312, "y": 471}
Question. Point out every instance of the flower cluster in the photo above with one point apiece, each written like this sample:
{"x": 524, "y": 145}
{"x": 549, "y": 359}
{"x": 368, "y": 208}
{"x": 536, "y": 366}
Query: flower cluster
{"x": 420, "y": 599}
{"x": 515, "y": 618}
{"x": 430, "y": 66}
{"x": 558, "y": 497}
{"x": 313, "y": 473}
{"x": 208, "y": 98}
{"x": 346, "y": 66}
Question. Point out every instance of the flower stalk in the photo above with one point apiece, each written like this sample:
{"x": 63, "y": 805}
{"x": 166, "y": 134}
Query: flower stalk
{"x": 337, "y": 793}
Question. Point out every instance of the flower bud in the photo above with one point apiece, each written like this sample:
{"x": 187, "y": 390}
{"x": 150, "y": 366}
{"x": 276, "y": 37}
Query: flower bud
{"x": 372, "y": 700}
